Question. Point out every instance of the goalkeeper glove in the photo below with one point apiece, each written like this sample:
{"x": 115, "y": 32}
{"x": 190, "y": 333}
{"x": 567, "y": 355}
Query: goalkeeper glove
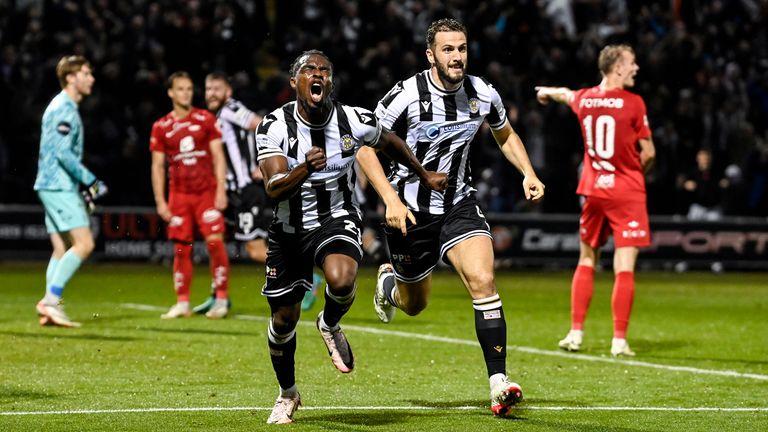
{"x": 97, "y": 190}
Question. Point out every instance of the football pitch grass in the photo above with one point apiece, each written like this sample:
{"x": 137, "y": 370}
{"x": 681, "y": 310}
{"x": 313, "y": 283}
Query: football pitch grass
{"x": 701, "y": 343}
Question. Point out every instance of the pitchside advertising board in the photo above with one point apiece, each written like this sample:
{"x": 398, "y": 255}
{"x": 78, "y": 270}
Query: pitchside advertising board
{"x": 520, "y": 241}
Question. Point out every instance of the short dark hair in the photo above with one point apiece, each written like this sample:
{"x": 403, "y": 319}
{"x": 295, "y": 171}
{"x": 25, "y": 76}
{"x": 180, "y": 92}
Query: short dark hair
{"x": 610, "y": 55}
{"x": 297, "y": 62}
{"x": 218, "y": 76}
{"x": 443, "y": 25}
{"x": 69, "y": 65}
{"x": 174, "y": 76}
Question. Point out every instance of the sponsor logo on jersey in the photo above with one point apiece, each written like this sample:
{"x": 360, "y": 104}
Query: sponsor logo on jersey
{"x": 601, "y": 103}
{"x": 366, "y": 118}
{"x": 433, "y": 131}
{"x": 605, "y": 181}
{"x": 346, "y": 143}
{"x": 474, "y": 106}
{"x": 194, "y": 128}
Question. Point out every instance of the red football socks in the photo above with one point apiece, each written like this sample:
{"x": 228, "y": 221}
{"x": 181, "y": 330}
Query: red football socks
{"x": 581, "y": 294}
{"x": 621, "y": 302}
{"x": 217, "y": 251}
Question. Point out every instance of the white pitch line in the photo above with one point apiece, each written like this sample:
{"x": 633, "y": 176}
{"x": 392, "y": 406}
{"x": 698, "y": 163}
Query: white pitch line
{"x": 385, "y": 408}
{"x": 524, "y": 349}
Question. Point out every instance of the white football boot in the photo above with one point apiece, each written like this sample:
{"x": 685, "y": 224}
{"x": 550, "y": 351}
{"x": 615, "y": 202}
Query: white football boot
{"x": 384, "y": 309}
{"x": 572, "y": 341}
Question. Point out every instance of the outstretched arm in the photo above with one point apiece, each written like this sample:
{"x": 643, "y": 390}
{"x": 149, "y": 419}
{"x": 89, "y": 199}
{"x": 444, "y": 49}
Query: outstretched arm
{"x": 514, "y": 151}
{"x": 561, "y": 95}
{"x": 394, "y": 147}
{"x": 397, "y": 212}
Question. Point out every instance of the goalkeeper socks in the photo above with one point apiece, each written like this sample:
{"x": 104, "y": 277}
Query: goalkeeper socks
{"x": 282, "y": 349}
{"x": 491, "y": 329}
{"x": 621, "y": 302}
{"x": 581, "y": 295}
{"x": 66, "y": 267}
{"x": 336, "y": 306}
{"x": 182, "y": 270}
{"x": 217, "y": 251}
{"x": 52, "y": 264}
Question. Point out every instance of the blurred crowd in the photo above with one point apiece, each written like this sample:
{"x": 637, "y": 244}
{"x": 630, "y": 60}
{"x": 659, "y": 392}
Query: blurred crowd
{"x": 703, "y": 75}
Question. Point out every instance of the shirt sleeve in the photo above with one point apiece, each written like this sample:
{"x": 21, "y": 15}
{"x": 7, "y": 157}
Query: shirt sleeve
{"x": 156, "y": 139}
{"x": 367, "y": 129}
{"x": 574, "y": 104}
{"x": 269, "y": 137}
{"x": 65, "y": 135}
{"x": 497, "y": 117}
{"x": 237, "y": 114}
{"x": 641, "y": 125}
{"x": 214, "y": 132}
{"x": 392, "y": 106}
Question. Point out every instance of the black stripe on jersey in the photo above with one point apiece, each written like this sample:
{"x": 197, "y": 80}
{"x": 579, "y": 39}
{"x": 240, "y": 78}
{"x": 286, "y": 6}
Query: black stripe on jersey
{"x": 471, "y": 92}
{"x": 422, "y": 197}
{"x": 449, "y": 102}
{"x": 293, "y": 139}
{"x": 323, "y": 201}
{"x": 493, "y": 116}
{"x": 347, "y": 192}
{"x": 396, "y": 90}
{"x": 453, "y": 175}
{"x": 344, "y": 129}
{"x": 425, "y": 98}
{"x": 318, "y": 138}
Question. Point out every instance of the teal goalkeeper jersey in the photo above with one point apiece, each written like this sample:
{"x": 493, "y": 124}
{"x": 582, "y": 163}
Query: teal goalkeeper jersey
{"x": 60, "y": 167}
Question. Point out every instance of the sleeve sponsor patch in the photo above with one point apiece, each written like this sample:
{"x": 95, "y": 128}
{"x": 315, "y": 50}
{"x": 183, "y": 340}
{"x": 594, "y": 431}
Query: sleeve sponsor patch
{"x": 63, "y": 128}
{"x": 366, "y": 118}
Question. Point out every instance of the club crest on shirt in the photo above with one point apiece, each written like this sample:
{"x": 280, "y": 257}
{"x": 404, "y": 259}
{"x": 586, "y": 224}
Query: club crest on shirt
{"x": 346, "y": 143}
{"x": 474, "y": 106}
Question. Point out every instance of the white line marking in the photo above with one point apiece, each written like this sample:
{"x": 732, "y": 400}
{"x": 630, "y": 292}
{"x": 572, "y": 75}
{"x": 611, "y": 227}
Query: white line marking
{"x": 385, "y": 408}
{"x": 529, "y": 350}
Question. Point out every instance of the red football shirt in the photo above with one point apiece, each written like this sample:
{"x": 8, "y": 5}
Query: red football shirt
{"x": 186, "y": 144}
{"x": 612, "y": 122}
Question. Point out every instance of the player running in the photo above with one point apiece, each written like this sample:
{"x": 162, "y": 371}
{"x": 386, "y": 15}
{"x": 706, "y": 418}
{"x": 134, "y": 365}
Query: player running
{"x": 307, "y": 152}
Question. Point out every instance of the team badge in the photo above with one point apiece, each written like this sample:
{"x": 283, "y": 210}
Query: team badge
{"x": 346, "y": 143}
{"x": 474, "y": 106}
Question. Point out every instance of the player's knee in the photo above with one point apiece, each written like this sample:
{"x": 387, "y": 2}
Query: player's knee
{"x": 257, "y": 251}
{"x": 413, "y": 307}
{"x": 85, "y": 246}
{"x": 341, "y": 280}
{"x": 482, "y": 284}
{"x": 182, "y": 251}
{"x": 283, "y": 323}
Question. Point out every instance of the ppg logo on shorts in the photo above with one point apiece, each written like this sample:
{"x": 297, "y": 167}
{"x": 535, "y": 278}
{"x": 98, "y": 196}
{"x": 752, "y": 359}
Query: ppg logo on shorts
{"x": 403, "y": 258}
{"x": 433, "y": 132}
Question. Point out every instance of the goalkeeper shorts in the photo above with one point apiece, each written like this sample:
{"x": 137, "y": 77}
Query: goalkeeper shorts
{"x": 64, "y": 210}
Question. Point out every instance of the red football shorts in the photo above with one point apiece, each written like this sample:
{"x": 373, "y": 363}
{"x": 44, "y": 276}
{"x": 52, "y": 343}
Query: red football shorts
{"x": 627, "y": 220}
{"x": 190, "y": 210}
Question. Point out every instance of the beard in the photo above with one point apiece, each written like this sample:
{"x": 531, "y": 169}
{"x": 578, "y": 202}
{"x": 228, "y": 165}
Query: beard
{"x": 444, "y": 73}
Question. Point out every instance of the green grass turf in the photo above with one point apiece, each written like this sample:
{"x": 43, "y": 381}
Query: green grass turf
{"x": 124, "y": 358}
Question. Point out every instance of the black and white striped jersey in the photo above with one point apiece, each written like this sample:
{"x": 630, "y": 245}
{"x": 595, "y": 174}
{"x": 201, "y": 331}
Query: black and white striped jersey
{"x": 239, "y": 143}
{"x": 328, "y": 193}
{"x": 440, "y": 126}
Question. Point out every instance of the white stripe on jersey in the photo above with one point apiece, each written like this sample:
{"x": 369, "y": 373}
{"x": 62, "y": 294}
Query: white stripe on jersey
{"x": 326, "y": 193}
{"x": 441, "y": 124}
{"x": 239, "y": 143}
